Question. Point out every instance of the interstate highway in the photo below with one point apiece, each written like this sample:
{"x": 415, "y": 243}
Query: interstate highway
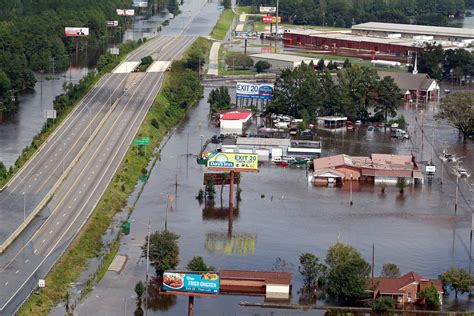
{"x": 31, "y": 257}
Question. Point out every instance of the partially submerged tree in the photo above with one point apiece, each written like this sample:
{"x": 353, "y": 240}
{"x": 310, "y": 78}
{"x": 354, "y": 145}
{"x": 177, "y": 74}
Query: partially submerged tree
{"x": 197, "y": 264}
{"x": 458, "y": 110}
{"x": 312, "y": 271}
{"x": 431, "y": 296}
{"x": 164, "y": 251}
{"x": 458, "y": 280}
{"x": 219, "y": 99}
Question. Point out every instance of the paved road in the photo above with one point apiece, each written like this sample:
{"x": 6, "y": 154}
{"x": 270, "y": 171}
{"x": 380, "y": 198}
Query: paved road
{"x": 113, "y": 126}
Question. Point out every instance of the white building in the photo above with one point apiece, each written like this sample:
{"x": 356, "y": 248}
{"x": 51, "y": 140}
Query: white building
{"x": 234, "y": 122}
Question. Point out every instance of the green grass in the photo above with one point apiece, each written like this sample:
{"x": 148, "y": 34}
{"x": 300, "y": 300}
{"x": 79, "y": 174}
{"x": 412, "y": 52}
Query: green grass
{"x": 245, "y": 9}
{"x": 220, "y": 30}
{"x": 88, "y": 244}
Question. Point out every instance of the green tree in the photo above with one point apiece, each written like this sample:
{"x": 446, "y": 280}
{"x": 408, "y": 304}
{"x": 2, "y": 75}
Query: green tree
{"x": 238, "y": 60}
{"x": 139, "y": 290}
{"x": 312, "y": 271}
{"x": 210, "y": 189}
{"x": 164, "y": 251}
{"x": 382, "y": 304}
{"x": 347, "y": 64}
{"x": 348, "y": 273}
{"x": 401, "y": 184}
{"x": 390, "y": 270}
{"x": 262, "y": 65}
{"x": 458, "y": 110}
{"x": 197, "y": 264}
{"x": 430, "y": 61}
{"x": 458, "y": 280}
{"x": 388, "y": 98}
{"x": 227, "y": 4}
{"x": 321, "y": 65}
{"x": 219, "y": 99}
{"x": 3, "y": 171}
{"x": 430, "y": 296}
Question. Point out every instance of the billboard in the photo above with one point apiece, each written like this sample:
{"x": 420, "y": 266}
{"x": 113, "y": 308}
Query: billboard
{"x": 140, "y": 4}
{"x": 262, "y": 91}
{"x": 76, "y": 31}
{"x": 191, "y": 282}
{"x": 268, "y": 9}
{"x": 270, "y": 19}
{"x": 125, "y": 12}
{"x": 228, "y": 161}
{"x": 112, "y": 23}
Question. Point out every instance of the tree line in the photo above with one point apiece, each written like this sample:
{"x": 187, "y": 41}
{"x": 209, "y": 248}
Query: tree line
{"x": 353, "y": 92}
{"x": 446, "y": 64}
{"x": 32, "y": 34}
{"x": 345, "y": 13}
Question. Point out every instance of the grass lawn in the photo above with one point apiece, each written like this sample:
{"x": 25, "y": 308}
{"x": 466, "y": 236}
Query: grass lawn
{"x": 220, "y": 30}
{"x": 243, "y": 9}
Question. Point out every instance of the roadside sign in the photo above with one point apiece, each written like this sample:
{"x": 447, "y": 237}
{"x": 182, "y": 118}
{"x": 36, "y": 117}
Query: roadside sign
{"x": 112, "y": 23}
{"x": 228, "y": 162}
{"x": 191, "y": 282}
{"x": 142, "y": 142}
{"x": 76, "y": 31}
{"x": 268, "y": 9}
{"x": 41, "y": 283}
{"x": 50, "y": 114}
{"x": 125, "y": 12}
{"x": 270, "y": 19}
{"x": 114, "y": 51}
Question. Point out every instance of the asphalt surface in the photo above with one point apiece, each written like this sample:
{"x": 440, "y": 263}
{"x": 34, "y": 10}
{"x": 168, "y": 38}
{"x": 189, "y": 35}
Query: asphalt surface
{"x": 121, "y": 101}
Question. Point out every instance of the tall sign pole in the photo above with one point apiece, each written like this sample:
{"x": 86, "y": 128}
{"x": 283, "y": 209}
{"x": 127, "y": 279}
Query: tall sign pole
{"x": 276, "y": 23}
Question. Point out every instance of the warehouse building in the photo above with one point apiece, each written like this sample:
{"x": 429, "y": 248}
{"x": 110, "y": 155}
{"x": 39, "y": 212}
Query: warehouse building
{"x": 282, "y": 61}
{"x": 452, "y": 34}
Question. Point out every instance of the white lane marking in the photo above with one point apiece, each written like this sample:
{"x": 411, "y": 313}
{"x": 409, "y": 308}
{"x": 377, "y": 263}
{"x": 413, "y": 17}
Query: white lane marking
{"x": 16, "y": 272}
{"x": 6, "y": 283}
{"x": 57, "y": 223}
{"x": 44, "y": 240}
{"x": 36, "y": 250}
{"x": 50, "y": 232}
{"x": 64, "y": 214}
{"x": 27, "y": 260}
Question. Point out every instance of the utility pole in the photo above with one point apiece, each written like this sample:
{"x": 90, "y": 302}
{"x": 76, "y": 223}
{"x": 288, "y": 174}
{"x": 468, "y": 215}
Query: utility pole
{"x": 456, "y": 199}
{"x": 147, "y": 268}
{"x": 350, "y": 186}
{"x": 373, "y": 264}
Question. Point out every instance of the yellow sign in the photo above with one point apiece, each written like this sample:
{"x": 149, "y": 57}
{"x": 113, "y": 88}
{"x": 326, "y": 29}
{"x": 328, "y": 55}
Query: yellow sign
{"x": 228, "y": 161}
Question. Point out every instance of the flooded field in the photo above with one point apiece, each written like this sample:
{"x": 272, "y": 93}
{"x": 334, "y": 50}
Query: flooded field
{"x": 281, "y": 215}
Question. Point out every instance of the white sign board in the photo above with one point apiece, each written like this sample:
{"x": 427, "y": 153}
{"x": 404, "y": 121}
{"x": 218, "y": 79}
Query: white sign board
{"x": 126, "y": 12}
{"x": 114, "y": 51}
{"x": 140, "y": 4}
{"x": 431, "y": 169}
{"x": 41, "y": 283}
{"x": 50, "y": 114}
{"x": 112, "y": 23}
{"x": 268, "y": 9}
{"x": 76, "y": 31}
{"x": 262, "y": 91}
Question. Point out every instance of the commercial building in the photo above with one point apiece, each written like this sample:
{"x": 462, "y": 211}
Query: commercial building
{"x": 412, "y": 31}
{"x": 405, "y": 289}
{"x": 234, "y": 121}
{"x": 282, "y": 61}
{"x": 377, "y": 168}
{"x": 414, "y": 86}
{"x": 331, "y": 122}
{"x": 271, "y": 148}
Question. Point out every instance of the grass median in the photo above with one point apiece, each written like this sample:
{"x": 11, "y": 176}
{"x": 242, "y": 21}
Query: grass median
{"x": 181, "y": 89}
{"x": 225, "y": 20}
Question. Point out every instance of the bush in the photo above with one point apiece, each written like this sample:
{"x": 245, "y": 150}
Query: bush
{"x": 383, "y": 304}
{"x": 197, "y": 264}
{"x": 262, "y": 65}
{"x": 155, "y": 123}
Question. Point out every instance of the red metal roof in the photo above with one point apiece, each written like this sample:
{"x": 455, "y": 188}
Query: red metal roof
{"x": 396, "y": 285}
{"x": 233, "y": 116}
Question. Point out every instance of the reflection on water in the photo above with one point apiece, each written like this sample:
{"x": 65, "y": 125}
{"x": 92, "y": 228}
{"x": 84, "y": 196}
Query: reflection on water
{"x": 157, "y": 301}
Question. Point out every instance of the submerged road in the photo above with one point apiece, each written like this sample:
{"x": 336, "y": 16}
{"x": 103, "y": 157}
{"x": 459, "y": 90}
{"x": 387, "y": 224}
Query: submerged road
{"x": 89, "y": 147}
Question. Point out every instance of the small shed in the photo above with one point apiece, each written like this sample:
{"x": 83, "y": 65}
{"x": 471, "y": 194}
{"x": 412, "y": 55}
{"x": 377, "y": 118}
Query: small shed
{"x": 332, "y": 122}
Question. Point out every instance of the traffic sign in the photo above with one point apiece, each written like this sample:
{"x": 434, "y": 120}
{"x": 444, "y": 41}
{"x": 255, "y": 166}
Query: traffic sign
{"x": 143, "y": 141}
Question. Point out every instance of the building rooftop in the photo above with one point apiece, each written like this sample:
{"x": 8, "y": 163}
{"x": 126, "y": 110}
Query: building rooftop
{"x": 283, "y": 57}
{"x": 376, "y": 161}
{"x": 408, "y": 81}
{"x": 236, "y": 115}
{"x": 396, "y": 285}
{"x": 415, "y": 29}
{"x": 255, "y": 141}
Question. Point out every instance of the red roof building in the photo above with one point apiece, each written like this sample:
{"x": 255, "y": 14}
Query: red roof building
{"x": 234, "y": 121}
{"x": 405, "y": 289}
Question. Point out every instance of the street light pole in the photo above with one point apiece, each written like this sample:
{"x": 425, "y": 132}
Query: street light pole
{"x": 147, "y": 268}
{"x": 24, "y": 207}
{"x": 456, "y": 199}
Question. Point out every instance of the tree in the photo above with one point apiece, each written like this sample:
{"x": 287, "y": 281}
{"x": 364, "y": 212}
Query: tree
{"x": 383, "y": 304}
{"x": 401, "y": 184}
{"x": 430, "y": 296}
{"x": 210, "y": 189}
{"x": 388, "y": 98}
{"x": 312, "y": 271}
{"x": 164, "y": 251}
{"x": 458, "y": 110}
{"x": 347, "y": 64}
{"x": 3, "y": 171}
{"x": 238, "y": 60}
{"x": 321, "y": 65}
{"x": 227, "y": 4}
{"x": 262, "y": 65}
{"x": 197, "y": 264}
{"x": 458, "y": 280}
{"x": 348, "y": 273}
{"x": 219, "y": 99}
{"x": 390, "y": 270}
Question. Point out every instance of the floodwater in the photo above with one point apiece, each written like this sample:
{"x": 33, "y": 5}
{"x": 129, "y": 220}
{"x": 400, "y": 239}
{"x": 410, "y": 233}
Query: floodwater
{"x": 281, "y": 215}
{"x": 18, "y": 129}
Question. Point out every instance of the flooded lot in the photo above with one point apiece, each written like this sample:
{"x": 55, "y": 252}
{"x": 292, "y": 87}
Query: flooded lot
{"x": 281, "y": 215}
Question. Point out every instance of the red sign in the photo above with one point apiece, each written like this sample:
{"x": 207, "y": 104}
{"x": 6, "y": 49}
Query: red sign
{"x": 267, "y": 19}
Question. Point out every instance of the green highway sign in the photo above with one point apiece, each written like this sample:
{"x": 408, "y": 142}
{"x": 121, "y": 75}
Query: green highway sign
{"x": 143, "y": 141}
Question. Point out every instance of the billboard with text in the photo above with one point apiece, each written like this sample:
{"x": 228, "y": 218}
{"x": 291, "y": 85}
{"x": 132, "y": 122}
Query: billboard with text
{"x": 228, "y": 161}
{"x": 260, "y": 91}
{"x": 140, "y": 4}
{"x": 76, "y": 31}
{"x": 125, "y": 12}
{"x": 267, "y": 19}
{"x": 191, "y": 282}
{"x": 268, "y": 9}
